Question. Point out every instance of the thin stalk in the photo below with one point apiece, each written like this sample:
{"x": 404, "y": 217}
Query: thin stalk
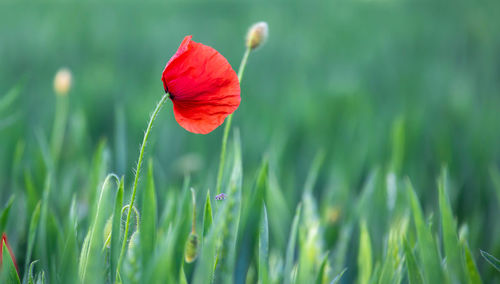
{"x": 228, "y": 126}
{"x": 137, "y": 172}
{"x": 59, "y": 127}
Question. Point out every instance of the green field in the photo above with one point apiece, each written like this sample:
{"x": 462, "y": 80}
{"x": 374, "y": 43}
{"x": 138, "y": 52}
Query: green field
{"x": 366, "y": 148}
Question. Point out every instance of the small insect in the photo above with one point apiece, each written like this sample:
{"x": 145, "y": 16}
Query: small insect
{"x": 221, "y": 196}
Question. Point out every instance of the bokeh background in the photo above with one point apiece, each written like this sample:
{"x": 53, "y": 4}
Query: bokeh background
{"x": 350, "y": 78}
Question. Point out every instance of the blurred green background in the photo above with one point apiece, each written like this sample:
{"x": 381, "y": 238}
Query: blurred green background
{"x": 348, "y": 77}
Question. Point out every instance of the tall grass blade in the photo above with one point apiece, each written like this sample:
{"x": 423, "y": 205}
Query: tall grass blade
{"x": 263, "y": 246}
{"x": 35, "y": 217}
{"x": 414, "y": 274}
{"x": 30, "y": 273}
{"x": 149, "y": 217}
{"x": 68, "y": 266}
{"x": 4, "y": 216}
{"x": 92, "y": 258}
{"x": 338, "y": 277}
{"x": 226, "y": 255}
{"x": 452, "y": 248}
{"x": 491, "y": 260}
{"x": 472, "y": 272}
{"x": 322, "y": 273}
{"x": 207, "y": 215}
{"x": 8, "y": 272}
{"x": 427, "y": 248}
{"x": 116, "y": 234}
{"x": 290, "y": 251}
{"x": 365, "y": 260}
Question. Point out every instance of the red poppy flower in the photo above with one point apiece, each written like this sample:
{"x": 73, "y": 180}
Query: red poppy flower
{"x": 203, "y": 87}
{"x": 4, "y": 241}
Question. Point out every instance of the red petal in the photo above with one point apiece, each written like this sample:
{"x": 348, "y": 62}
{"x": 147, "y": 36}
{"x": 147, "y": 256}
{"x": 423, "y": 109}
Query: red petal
{"x": 203, "y": 87}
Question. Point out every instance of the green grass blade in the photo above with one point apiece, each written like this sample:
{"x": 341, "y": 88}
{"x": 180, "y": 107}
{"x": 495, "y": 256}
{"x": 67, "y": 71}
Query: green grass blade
{"x": 364, "y": 255}
{"x": 32, "y": 195}
{"x": 322, "y": 275}
{"x": 8, "y": 272}
{"x": 248, "y": 236}
{"x": 427, "y": 248}
{"x": 450, "y": 239}
{"x": 398, "y": 144}
{"x": 92, "y": 259}
{"x": 226, "y": 255}
{"x": 290, "y": 250}
{"x": 40, "y": 278}
{"x": 30, "y": 272}
{"x": 68, "y": 265}
{"x": 182, "y": 276}
{"x": 11, "y": 95}
{"x": 338, "y": 277}
{"x": 149, "y": 217}
{"x": 314, "y": 171}
{"x": 472, "y": 272}
{"x": 204, "y": 271}
{"x": 4, "y": 216}
{"x": 491, "y": 260}
{"x": 495, "y": 177}
{"x": 414, "y": 275}
{"x": 207, "y": 215}
{"x": 391, "y": 269}
{"x": 42, "y": 228}
{"x": 116, "y": 233}
{"x": 263, "y": 246}
{"x": 35, "y": 217}
{"x": 279, "y": 212}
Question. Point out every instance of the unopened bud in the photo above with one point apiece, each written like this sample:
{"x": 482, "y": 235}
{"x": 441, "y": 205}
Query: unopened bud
{"x": 62, "y": 81}
{"x": 191, "y": 249}
{"x": 257, "y": 35}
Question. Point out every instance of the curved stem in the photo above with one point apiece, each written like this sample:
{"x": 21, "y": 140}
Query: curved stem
{"x": 137, "y": 172}
{"x": 243, "y": 64}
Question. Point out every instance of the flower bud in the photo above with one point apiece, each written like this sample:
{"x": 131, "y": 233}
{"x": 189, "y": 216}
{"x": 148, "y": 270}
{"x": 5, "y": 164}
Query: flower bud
{"x": 257, "y": 35}
{"x": 191, "y": 249}
{"x": 62, "y": 81}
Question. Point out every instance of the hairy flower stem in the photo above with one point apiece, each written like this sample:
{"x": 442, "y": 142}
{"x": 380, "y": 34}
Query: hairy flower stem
{"x": 228, "y": 126}
{"x": 137, "y": 172}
